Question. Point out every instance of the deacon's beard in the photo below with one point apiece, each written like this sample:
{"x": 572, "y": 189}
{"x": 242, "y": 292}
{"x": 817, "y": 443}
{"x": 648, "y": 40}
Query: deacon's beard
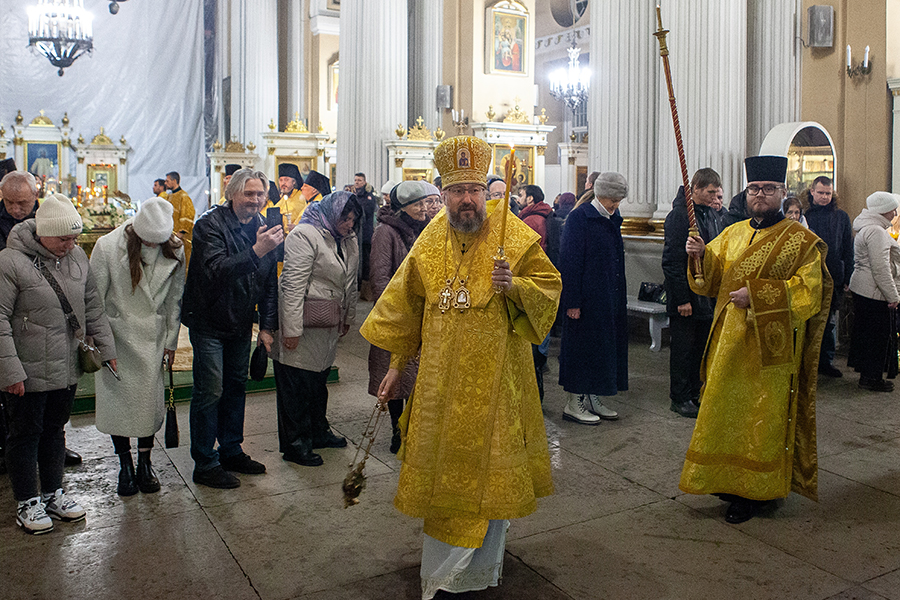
{"x": 761, "y": 216}
{"x": 467, "y": 224}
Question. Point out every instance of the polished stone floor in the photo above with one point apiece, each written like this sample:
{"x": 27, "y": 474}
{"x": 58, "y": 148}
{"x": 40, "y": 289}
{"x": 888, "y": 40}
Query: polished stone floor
{"x": 617, "y": 527}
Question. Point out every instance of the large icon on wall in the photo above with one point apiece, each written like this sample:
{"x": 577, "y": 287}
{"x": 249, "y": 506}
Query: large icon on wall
{"x": 523, "y": 168}
{"x": 506, "y": 38}
{"x": 42, "y": 159}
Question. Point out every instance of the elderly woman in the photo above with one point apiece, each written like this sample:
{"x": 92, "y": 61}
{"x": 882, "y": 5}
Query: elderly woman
{"x": 593, "y": 359}
{"x": 140, "y": 276}
{"x": 876, "y": 271}
{"x": 433, "y": 201}
{"x": 41, "y": 270}
{"x": 399, "y": 226}
{"x": 316, "y": 303}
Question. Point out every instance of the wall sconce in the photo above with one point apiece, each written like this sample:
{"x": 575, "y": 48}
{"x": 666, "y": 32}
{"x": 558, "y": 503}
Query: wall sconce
{"x": 864, "y": 68}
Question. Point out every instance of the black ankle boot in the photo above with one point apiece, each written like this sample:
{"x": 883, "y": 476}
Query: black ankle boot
{"x": 146, "y": 478}
{"x": 127, "y": 483}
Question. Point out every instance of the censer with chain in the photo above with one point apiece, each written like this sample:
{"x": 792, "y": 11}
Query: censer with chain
{"x": 355, "y": 480}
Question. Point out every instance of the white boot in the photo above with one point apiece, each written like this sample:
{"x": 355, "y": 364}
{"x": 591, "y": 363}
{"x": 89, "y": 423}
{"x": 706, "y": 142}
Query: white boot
{"x": 593, "y": 403}
{"x": 576, "y": 410}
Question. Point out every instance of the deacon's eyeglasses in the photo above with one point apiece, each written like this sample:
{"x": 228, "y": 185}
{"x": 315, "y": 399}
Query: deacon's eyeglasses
{"x": 768, "y": 189}
{"x": 496, "y": 195}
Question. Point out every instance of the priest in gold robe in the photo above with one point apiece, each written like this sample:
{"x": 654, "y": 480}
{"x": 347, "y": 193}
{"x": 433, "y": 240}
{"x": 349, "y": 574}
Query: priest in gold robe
{"x": 755, "y": 437}
{"x": 183, "y": 212}
{"x": 474, "y": 449}
{"x": 292, "y": 203}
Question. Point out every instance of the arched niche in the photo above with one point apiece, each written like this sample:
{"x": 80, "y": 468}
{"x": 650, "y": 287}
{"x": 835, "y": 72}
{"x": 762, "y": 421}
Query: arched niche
{"x": 810, "y": 152}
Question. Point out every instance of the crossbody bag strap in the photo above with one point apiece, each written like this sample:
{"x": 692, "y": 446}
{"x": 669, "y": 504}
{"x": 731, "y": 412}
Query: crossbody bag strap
{"x": 71, "y": 319}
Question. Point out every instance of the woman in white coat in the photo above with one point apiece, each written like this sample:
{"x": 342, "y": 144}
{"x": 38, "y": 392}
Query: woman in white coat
{"x": 876, "y": 271}
{"x": 140, "y": 276}
{"x": 321, "y": 256}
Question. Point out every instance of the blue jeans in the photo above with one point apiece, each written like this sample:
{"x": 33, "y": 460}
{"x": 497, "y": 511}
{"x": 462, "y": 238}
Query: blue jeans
{"x": 217, "y": 402}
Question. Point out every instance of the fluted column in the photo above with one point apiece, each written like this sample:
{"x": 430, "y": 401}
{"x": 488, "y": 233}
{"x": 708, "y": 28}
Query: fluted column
{"x": 708, "y": 57}
{"x": 426, "y": 41}
{"x": 296, "y": 30}
{"x": 774, "y": 67}
{"x": 254, "y": 69}
{"x": 373, "y": 92}
{"x": 623, "y": 98}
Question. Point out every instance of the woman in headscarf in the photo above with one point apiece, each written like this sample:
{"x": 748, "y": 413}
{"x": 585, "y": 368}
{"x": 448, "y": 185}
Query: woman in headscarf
{"x": 140, "y": 277}
{"x": 316, "y": 302}
{"x": 398, "y": 227}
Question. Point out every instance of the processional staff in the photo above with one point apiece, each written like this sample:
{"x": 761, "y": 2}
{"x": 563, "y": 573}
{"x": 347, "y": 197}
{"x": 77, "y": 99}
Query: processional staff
{"x": 693, "y": 231}
{"x": 510, "y": 167}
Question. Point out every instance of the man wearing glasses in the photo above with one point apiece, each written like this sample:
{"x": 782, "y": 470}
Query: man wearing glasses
{"x": 232, "y": 272}
{"x": 755, "y": 435}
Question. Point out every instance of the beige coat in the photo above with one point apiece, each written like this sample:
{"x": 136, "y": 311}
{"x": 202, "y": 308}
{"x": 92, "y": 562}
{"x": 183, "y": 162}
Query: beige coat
{"x": 876, "y": 269}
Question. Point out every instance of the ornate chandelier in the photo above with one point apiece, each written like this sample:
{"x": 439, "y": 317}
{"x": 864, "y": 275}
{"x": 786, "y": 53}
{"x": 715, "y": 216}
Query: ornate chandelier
{"x": 570, "y": 85}
{"x": 60, "y": 30}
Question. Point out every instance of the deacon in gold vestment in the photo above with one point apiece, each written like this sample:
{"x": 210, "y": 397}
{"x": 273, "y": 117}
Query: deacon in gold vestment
{"x": 755, "y": 438}
{"x": 183, "y": 213}
{"x": 474, "y": 448}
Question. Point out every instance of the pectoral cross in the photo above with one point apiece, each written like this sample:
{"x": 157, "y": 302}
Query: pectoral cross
{"x": 446, "y": 294}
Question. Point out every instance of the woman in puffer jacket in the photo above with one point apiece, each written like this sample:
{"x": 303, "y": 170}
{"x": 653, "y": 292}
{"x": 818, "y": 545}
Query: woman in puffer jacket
{"x": 876, "y": 273}
{"x": 39, "y": 367}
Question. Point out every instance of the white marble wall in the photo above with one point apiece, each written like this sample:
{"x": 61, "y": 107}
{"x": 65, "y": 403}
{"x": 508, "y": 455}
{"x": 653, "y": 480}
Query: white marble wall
{"x": 426, "y": 25}
{"x": 373, "y": 91}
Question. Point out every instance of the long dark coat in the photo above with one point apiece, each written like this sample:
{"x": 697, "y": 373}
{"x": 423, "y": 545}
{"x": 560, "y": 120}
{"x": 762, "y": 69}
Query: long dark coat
{"x": 594, "y": 352}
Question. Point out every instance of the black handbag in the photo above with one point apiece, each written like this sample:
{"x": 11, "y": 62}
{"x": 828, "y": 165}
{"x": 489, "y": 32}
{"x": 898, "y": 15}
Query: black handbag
{"x": 259, "y": 363}
{"x": 171, "y": 415}
{"x": 652, "y": 292}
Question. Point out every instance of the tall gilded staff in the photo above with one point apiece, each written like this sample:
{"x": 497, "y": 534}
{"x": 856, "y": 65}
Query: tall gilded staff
{"x": 510, "y": 164}
{"x": 689, "y": 200}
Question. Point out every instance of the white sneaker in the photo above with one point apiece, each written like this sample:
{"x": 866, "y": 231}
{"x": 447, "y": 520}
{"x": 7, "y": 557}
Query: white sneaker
{"x": 594, "y": 405}
{"x": 31, "y": 516}
{"x": 62, "y": 507}
{"x": 576, "y": 410}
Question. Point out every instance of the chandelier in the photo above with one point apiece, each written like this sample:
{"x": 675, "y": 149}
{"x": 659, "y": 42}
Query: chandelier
{"x": 60, "y": 30}
{"x": 570, "y": 85}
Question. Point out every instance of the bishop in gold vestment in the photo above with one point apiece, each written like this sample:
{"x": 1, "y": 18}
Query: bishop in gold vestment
{"x": 755, "y": 437}
{"x": 474, "y": 444}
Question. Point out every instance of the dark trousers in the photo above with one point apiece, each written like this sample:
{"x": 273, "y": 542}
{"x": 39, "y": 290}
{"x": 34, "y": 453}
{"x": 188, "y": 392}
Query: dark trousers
{"x": 871, "y": 337}
{"x": 301, "y": 398}
{"x": 36, "y": 440}
{"x": 123, "y": 445}
{"x": 685, "y": 356}
{"x": 829, "y": 341}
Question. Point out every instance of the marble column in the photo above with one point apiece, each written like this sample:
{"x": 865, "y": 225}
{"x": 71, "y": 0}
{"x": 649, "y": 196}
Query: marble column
{"x": 773, "y": 93}
{"x": 708, "y": 58}
{"x": 425, "y": 28}
{"x": 253, "y": 69}
{"x": 296, "y": 31}
{"x": 373, "y": 92}
{"x": 622, "y": 106}
{"x": 894, "y": 86}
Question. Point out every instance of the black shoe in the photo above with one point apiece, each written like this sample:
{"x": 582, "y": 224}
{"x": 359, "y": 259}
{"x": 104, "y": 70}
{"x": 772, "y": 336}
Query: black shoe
{"x": 217, "y": 477}
{"x": 242, "y": 463}
{"x": 127, "y": 481}
{"x": 395, "y": 440}
{"x": 72, "y": 458}
{"x": 742, "y": 510}
{"x": 830, "y": 370}
{"x": 307, "y": 459}
{"x": 329, "y": 440}
{"x": 876, "y": 385}
{"x": 685, "y": 409}
{"x": 147, "y": 481}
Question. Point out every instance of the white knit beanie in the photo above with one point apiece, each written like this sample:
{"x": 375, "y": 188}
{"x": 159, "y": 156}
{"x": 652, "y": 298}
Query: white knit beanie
{"x": 57, "y": 217}
{"x": 153, "y": 222}
{"x": 882, "y": 202}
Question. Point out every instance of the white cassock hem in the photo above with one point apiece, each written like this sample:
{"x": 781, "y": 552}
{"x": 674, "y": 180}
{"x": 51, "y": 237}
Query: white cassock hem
{"x": 456, "y": 570}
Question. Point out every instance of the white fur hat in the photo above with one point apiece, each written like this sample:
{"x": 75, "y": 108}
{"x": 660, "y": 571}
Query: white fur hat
{"x": 57, "y": 217}
{"x": 153, "y": 222}
{"x": 882, "y": 202}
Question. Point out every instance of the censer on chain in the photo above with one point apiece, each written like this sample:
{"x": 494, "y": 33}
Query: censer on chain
{"x": 355, "y": 480}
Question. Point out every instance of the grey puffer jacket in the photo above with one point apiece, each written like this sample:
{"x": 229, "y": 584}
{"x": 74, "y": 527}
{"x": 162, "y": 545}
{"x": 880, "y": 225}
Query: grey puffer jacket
{"x": 876, "y": 271}
{"x": 37, "y": 346}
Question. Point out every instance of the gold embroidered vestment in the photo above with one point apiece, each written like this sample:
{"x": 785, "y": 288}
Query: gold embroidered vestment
{"x": 474, "y": 443}
{"x": 755, "y": 435}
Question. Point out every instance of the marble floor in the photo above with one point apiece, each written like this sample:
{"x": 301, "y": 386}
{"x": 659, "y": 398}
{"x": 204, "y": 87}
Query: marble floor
{"x": 617, "y": 527}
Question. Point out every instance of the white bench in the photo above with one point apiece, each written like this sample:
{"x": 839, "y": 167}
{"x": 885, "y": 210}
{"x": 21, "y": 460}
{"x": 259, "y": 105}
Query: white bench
{"x": 658, "y": 319}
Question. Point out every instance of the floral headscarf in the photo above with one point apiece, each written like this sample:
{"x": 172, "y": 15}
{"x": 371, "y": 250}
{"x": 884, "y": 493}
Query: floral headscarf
{"x": 326, "y": 214}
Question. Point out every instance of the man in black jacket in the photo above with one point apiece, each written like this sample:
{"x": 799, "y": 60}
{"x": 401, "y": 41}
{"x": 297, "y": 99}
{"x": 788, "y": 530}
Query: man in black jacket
{"x": 690, "y": 315}
{"x": 232, "y": 272}
{"x": 831, "y": 224}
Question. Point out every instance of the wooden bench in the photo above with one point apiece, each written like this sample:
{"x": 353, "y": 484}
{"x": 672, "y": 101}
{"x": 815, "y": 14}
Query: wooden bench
{"x": 658, "y": 319}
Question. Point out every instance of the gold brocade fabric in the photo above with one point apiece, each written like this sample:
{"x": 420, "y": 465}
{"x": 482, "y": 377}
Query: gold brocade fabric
{"x": 756, "y": 432}
{"x": 474, "y": 444}
{"x": 294, "y": 205}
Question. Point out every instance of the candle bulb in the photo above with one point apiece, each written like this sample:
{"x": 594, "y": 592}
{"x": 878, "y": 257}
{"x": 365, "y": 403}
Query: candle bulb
{"x": 866, "y": 59}
{"x": 849, "y": 64}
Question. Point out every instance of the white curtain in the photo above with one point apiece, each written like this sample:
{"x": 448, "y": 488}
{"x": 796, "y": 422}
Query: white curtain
{"x": 144, "y": 81}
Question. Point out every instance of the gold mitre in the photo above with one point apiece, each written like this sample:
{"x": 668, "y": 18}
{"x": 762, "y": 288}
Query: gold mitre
{"x": 463, "y": 159}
